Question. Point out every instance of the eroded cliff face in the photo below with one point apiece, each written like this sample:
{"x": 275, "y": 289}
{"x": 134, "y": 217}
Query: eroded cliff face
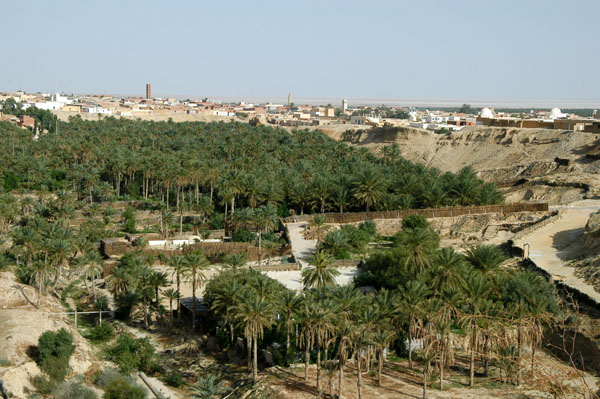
{"x": 20, "y": 327}
{"x": 555, "y": 166}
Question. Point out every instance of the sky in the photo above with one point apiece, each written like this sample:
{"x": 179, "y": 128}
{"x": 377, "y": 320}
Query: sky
{"x": 459, "y": 50}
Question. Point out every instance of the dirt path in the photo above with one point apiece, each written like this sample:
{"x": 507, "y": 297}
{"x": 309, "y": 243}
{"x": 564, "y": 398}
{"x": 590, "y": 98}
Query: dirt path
{"x": 554, "y": 244}
{"x": 302, "y": 248}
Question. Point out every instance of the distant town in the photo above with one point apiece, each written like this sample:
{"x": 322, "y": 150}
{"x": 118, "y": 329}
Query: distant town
{"x": 291, "y": 114}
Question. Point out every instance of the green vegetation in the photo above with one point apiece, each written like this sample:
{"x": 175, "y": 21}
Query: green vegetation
{"x": 425, "y": 294}
{"x": 121, "y": 388}
{"x": 132, "y": 354}
{"x": 53, "y": 353}
{"x": 231, "y": 165}
{"x": 74, "y": 390}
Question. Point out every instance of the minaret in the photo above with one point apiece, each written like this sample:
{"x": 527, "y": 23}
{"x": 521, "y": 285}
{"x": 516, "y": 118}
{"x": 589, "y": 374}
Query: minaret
{"x": 289, "y": 99}
{"x": 344, "y": 105}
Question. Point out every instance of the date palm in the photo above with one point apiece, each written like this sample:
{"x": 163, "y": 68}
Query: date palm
{"x": 171, "y": 295}
{"x": 369, "y": 187}
{"x": 196, "y": 264}
{"x": 179, "y": 265}
{"x": 320, "y": 273}
{"x": 235, "y": 261}
{"x": 94, "y": 266}
{"x": 412, "y": 296}
{"x": 254, "y": 314}
{"x": 381, "y": 338}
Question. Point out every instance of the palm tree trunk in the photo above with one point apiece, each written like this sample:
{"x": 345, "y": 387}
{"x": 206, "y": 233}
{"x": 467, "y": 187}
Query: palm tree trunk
{"x": 255, "y": 360}
{"x": 94, "y": 288}
{"x": 39, "y": 293}
{"x": 193, "y": 299}
{"x": 319, "y": 365}
{"x": 178, "y": 298}
{"x": 424, "y": 383}
{"x": 380, "y": 367}
{"x": 442, "y": 369}
{"x": 472, "y": 362}
{"x": 410, "y": 365}
{"x": 249, "y": 353}
{"x": 287, "y": 343}
{"x": 359, "y": 380}
{"x": 146, "y": 312}
{"x": 231, "y": 334}
{"x": 306, "y": 357}
{"x": 340, "y": 379}
{"x": 519, "y": 343}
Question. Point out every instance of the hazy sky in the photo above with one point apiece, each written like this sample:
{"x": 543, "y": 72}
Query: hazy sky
{"x": 357, "y": 49}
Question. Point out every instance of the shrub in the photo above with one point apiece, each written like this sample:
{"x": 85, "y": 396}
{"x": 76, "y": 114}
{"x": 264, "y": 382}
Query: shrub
{"x": 128, "y": 216}
{"x": 54, "y": 351}
{"x": 42, "y": 384}
{"x": 107, "y": 376}
{"x": 140, "y": 242}
{"x": 102, "y": 332}
{"x": 74, "y": 390}
{"x": 121, "y": 388}
{"x": 369, "y": 227}
{"x": 132, "y": 354}
{"x": 174, "y": 379}
{"x": 243, "y": 235}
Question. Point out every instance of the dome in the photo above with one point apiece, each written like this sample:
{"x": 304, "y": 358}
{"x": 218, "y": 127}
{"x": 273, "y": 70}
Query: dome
{"x": 555, "y": 113}
{"x": 487, "y": 113}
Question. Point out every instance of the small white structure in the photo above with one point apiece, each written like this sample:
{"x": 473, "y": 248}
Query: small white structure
{"x": 555, "y": 113}
{"x": 344, "y": 105}
{"x": 49, "y": 105}
{"x": 486, "y": 113}
{"x": 97, "y": 110}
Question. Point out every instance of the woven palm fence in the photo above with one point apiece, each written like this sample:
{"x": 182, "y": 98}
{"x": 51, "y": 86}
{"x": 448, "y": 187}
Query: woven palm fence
{"x": 429, "y": 213}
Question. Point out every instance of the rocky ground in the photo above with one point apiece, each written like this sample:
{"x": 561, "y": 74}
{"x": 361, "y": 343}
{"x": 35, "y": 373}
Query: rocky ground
{"x": 531, "y": 164}
{"x": 21, "y": 324}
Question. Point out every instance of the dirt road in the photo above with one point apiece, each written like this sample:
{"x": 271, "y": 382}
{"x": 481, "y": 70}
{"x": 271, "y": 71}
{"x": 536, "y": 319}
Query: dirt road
{"x": 553, "y": 245}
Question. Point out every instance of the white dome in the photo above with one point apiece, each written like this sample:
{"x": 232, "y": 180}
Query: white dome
{"x": 487, "y": 113}
{"x": 555, "y": 113}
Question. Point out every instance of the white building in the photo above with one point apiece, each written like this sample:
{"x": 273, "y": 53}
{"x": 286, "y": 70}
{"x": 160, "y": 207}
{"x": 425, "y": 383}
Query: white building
{"x": 49, "y": 105}
{"x": 61, "y": 99}
{"x": 97, "y": 110}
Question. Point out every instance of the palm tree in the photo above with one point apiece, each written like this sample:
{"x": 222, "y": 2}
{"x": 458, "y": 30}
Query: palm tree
{"x": 321, "y": 273}
{"x": 179, "y": 265}
{"x": 344, "y": 333}
{"x": 289, "y": 305}
{"x": 486, "y": 258}
{"x": 381, "y": 338}
{"x": 319, "y": 319}
{"x": 319, "y": 227}
{"x": 144, "y": 276}
{"x": 235, "y": 261}
{"x": 335, "y": 243}
{"x": 264, "y": 219}
{"x": 369, "y": 187}
{"x": 159, "y": 279}
{"x": 209, "y": 388}
{"x": 40, "y": 275}
{"x": 412, "y": 297}
{"x": 224, "y": 303}
{"x": 119, "y": 281}
{"x": 171, "y": 295}
{"x": 476, "y": 290}
{"x": 94, "y": 266}
{"x": 254, "y": 314}
{"x": 196, "y": 263}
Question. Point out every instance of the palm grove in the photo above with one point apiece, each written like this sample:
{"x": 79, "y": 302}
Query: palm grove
{"x": 423, "y": 297}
